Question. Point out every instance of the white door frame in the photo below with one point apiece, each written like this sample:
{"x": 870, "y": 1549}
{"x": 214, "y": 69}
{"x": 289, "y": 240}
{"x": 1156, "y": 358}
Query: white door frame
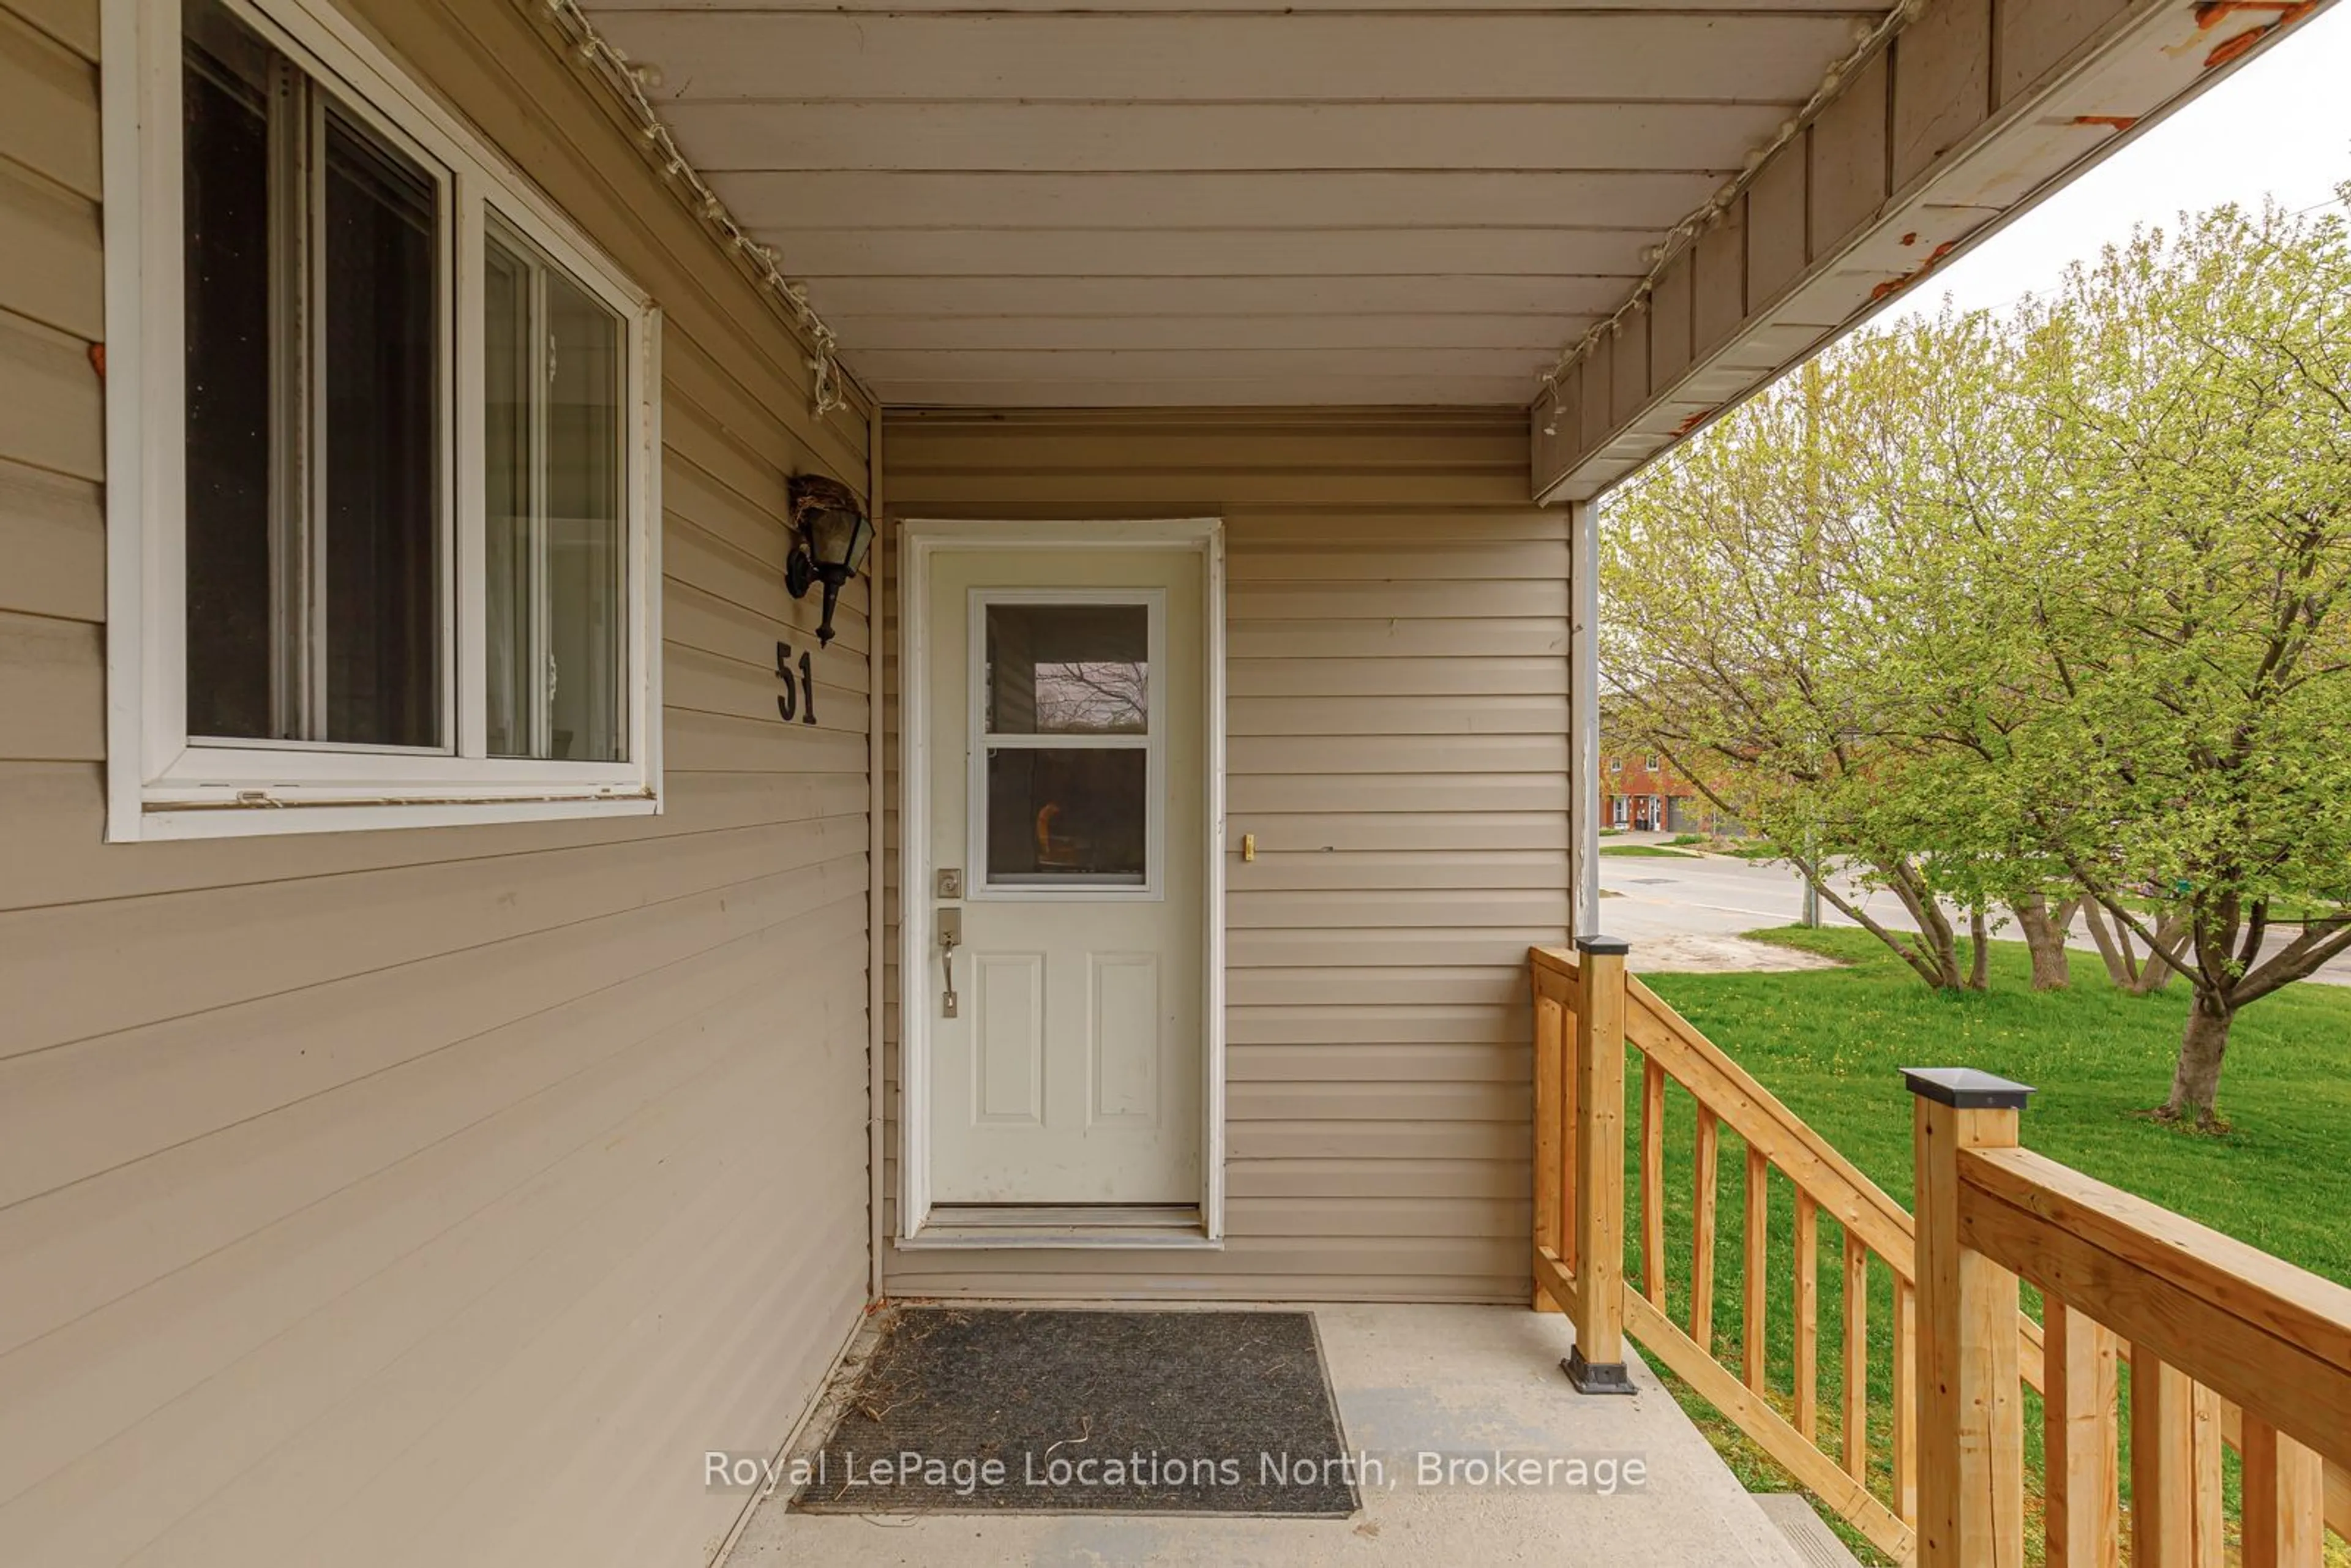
{"x": 919, "y": 538}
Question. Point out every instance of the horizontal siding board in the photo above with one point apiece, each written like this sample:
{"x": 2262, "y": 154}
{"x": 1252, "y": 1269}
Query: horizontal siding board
{"x": 52, "y": 408}
{"x": 944, "y": 449}
{"x": 53, "y": 689}
{"x": 1494, "y": 1181}
{"x": 1394, "y": 792}
{"x": 1397, "y": 638}
{"x": 72, "y": 23}
{"x": 51, "y": 819}
{"x": 1499, "y": 1023}
{"x": 1451, "y": 559}
{"x": 109, "y": 1102}
{"x": 1415, "y": 677}
{"x": 1462, "y": 910}
{"x": 1368, "y": 947}
{"x": 1188, "y": 491}
{"x": 1392, "y": 984}
{"x": 48, "y": 106}
{"x": 1263, "y": 756}
{"x": 1398, "y": 601}
{"x": 1414, "y": 1066}
{"x": 594, "y": 1153}
{"x": 53, "y": 536}
{"x": 228, "y": 946}
{"x": 1393, "y": 716}
{"x": 54, "y": 270}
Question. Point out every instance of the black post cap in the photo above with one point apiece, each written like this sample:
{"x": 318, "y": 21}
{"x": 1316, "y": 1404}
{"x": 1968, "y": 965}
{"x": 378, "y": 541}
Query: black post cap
{"x": 1598, "y": 944}
{"x": 1965, "y": 1089}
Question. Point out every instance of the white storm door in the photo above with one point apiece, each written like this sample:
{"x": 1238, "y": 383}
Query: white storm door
{"x": 1068, "y": 797}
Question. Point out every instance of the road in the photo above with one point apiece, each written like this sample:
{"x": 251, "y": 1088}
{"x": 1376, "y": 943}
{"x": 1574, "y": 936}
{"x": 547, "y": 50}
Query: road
{"x": 1719, "y": 895}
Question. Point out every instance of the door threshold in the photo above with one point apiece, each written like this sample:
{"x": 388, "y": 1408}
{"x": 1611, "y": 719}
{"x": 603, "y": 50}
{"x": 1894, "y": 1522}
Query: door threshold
{"x": 1156, "y": 1225}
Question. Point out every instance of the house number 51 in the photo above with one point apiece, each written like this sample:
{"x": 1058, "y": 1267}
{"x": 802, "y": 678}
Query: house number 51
{"x": 790, "y": 702}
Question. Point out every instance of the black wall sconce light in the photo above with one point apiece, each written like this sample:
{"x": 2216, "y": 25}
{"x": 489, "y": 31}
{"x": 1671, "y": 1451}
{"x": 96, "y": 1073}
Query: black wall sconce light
{"x": 834, "y": 533}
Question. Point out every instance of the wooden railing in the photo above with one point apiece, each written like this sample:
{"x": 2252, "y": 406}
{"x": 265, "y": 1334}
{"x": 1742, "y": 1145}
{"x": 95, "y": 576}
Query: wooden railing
{"x": 1587, "y": 1011}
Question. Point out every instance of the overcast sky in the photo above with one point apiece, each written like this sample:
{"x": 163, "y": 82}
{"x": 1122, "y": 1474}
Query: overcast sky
{"x": 2280, "y": 126}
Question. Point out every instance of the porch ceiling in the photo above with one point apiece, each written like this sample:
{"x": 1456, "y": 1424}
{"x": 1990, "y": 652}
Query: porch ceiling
{"x": 1214, "y": 201}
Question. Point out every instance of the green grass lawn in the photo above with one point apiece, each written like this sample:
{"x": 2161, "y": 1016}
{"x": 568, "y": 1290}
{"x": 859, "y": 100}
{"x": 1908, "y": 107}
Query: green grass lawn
{"x": 1647, "y": 852}
{"x": 1831, "y": 1043}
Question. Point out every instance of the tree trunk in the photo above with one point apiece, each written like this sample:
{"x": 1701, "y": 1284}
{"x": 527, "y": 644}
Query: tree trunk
{"x": 2114, "y": 948}
{"x": 1929, "y": 952}
{"x": 2044, "y": 939}
{"x": 2171, "y": 935}
{"x": 2196, "y": 1080}
{"x": 1937, "y": 944}
{"x": 1980, "y": 961}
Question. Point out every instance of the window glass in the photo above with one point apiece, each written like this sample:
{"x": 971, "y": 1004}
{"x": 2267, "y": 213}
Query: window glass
{"x": 226, "y": 205}
{"x": 510, "y": 471}
{"x": 381, "y": 321}
{"x": 555, "y": 550}
{"x": 314, "y": 474}
{"x": 1068, "y": 816}
{"x": 1068, "y": 669}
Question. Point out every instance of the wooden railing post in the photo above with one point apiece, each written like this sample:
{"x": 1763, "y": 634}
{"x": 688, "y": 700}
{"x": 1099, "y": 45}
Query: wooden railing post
{"x": 1971, "y": 1443}
{"x": 1596, "y": 1364}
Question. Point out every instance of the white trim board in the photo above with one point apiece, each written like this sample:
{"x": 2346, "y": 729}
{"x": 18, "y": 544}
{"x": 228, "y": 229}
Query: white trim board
{"x": 919, "y": 538}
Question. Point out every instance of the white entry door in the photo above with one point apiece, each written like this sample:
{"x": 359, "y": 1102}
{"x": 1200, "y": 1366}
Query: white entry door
{"x": 1067, "y": 812}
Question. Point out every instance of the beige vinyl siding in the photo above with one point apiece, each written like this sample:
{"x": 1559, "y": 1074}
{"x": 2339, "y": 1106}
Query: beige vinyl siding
{"x": 429, "y": 1196}
{"x": 1397, "y": 645}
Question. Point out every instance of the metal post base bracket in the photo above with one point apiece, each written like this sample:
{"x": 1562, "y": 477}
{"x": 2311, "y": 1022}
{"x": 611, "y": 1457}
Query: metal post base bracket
{"x": 1596, "y": 1377}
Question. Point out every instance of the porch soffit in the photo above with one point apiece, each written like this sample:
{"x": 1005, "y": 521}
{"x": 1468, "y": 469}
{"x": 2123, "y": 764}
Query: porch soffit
{"x": 1215, "y": 201}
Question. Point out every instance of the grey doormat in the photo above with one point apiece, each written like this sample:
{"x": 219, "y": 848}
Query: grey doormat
{"x": 1052, "y": 1412}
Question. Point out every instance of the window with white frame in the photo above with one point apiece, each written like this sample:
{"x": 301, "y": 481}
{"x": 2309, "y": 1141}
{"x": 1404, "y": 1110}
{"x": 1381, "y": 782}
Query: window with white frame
{"x": 383, "y": 433}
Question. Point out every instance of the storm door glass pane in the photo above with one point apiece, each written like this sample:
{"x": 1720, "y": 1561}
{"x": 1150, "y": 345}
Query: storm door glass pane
{"x": 379, "y": 286}
{"x": 1069, "y": 669}
{"x": 1066, "y": 816}
{"x": 556, "y": 546}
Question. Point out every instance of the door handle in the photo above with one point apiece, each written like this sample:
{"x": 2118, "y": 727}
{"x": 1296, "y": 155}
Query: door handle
{"x": 950, "y": 934}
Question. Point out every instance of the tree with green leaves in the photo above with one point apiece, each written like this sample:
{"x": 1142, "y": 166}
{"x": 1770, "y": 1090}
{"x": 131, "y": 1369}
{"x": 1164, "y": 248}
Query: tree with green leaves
{"x": 2193, "y": 569}
{"x": 1744, "y": 577}
{"x": 2009, "y": 612}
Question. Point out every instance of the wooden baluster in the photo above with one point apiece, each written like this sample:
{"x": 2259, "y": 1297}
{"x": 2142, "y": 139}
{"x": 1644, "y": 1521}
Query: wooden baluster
{"x": 1702, "y": 1205}
{"x": 2204, "y": 1448}
{"x": 1807, "y": 1369}
{"x": 1568, "y": 1122}
{"x": 2284, "y": 1494}
{"x": 1857, "y": 1358}
{"x": 2083, "y": 1518}
{"x": 1653, "y": 1180}
{"x": 1905, "y": 1401}
{"x": 1596, "y": 1364}
{"x": 1759, "y": 1220}
{"x": 1972, "y": 1400}
{"x": 2163, "y": 1464}
{"x": 1549, "y": 1201}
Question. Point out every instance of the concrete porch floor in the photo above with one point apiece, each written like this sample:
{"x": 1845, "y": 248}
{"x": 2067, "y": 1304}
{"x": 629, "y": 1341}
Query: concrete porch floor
{"x": 1447, "y": 1380}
